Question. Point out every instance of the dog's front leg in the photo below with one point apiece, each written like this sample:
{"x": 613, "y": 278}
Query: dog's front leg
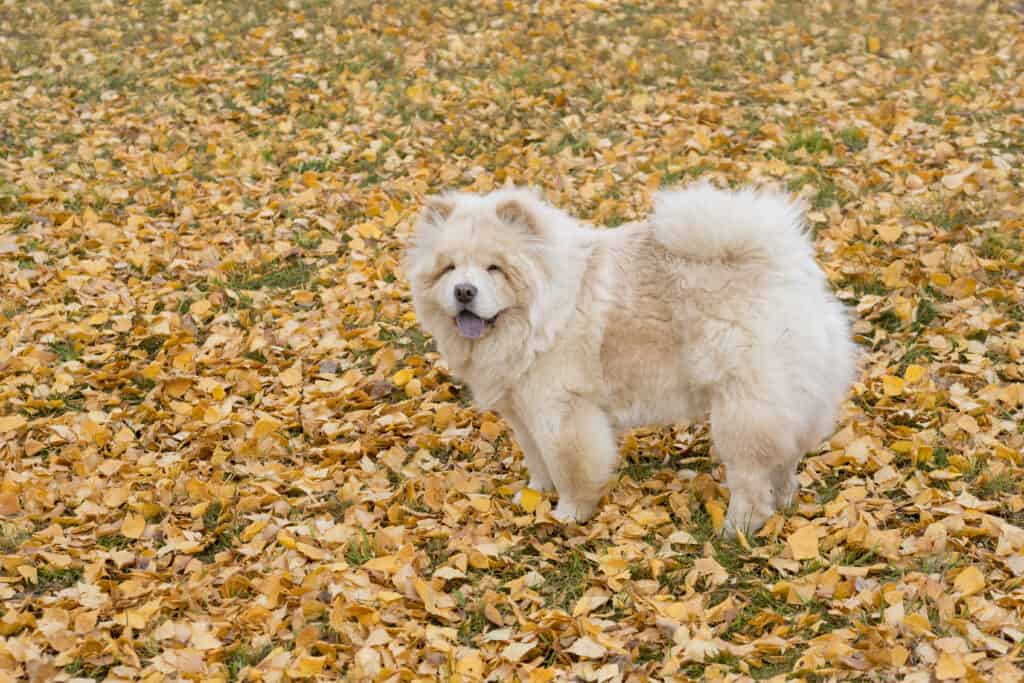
{"x": 540, "y": 479}
{"x": 579, "y": 449}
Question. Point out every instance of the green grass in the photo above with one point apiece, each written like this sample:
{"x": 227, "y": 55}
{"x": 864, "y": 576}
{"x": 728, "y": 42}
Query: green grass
{"x": 641, "y": 470}
{"x": 51, "y": 580}
{"x": 114, "y": 541}
{"x": 359, "y": 551}
{"x": 474, "y": 623}
{"x": 224, "y": 534}
{"x": 65, "y": 350}
{"x": 854, "y": 138}
{"x": 1004, "y": 482}
{"x": 812, "y": 142}
{"x": 79, "y": 668}
{"x": 275, "y": 275}
{"x": 564, "y": 584}
{"x": 11, "y": 538}
{"x": 152, "y": 345}
{"x": 241, "y": 656}
{"x": 212, "y": 515}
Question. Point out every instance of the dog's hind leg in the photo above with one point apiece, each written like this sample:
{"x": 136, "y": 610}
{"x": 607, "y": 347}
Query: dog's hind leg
{"x": 581, "y": 456}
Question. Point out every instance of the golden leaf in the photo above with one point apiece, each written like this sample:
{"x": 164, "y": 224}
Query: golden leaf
{"x": 9, "y": 423}
{"x": 969, "y": 581}
{"x": 133, "y": 526}
{"x": 892, "y": 386}
{"x": 803, "y": 542}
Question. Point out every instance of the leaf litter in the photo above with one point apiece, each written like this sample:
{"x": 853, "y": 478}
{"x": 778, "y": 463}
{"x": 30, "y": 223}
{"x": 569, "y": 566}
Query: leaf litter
{"x": 229, "y": 454}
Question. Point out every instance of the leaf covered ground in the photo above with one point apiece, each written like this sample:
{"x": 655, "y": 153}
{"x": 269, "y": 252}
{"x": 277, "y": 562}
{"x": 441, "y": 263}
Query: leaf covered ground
{"x": 228, "y": 453}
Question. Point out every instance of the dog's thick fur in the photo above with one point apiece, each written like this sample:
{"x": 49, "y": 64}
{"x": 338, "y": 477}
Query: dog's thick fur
{"x": 714, "y": 305}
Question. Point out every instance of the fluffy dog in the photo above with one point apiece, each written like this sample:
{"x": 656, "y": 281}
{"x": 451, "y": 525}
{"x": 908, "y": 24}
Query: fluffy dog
{"x": 714, "y": 305}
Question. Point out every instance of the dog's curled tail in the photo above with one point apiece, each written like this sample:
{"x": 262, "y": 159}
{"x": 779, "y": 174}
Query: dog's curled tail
{"x": 704, "y": 223}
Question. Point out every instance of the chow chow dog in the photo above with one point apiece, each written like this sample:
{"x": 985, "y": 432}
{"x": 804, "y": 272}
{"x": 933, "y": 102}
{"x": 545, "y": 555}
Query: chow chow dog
{"x": 713, "y": 306}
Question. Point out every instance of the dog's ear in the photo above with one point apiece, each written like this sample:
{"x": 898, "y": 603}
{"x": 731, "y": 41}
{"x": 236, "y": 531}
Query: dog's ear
{"x": 515, "y": 212}
{"x": 436, "y": 210}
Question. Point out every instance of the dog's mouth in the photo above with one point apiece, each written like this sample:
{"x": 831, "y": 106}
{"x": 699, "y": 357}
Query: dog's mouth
{"x": 472, "y": 326}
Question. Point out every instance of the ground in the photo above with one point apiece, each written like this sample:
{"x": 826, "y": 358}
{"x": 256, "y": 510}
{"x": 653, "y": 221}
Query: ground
{"x": 228, "y": 452}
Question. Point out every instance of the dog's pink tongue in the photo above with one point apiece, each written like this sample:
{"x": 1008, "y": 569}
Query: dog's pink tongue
{"x": 470, "y": 325}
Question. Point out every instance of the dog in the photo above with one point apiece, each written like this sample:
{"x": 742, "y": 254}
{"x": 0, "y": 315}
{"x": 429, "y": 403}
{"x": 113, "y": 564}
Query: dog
{"x": 714, "y": 305}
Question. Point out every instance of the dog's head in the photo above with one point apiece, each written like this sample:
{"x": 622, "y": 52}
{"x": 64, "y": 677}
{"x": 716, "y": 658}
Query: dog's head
{"x": 483, "y": 269}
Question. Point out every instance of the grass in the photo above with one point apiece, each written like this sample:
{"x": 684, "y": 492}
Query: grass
{"x": 359, "y": 550}
{"x": 11, "y": 538}
{"x": 65, "y": 350}
{"x": 998, "y": 484}
{"x": 812, "y": 142}
{"x": 241, "y": 656}
{"x": 114, "y": 541}
{"x": 564, "y": 585}
{"x": 81, "y": 669}
{"x": 641, "y": 470}
{"x": 274, "y": 275}
{"x": 51, "y": 580}
{"x": 474, "y": 623}
{"x": 854, "y": 138}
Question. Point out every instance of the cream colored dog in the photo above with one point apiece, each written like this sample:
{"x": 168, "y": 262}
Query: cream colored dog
{"x": 714, "y": 305}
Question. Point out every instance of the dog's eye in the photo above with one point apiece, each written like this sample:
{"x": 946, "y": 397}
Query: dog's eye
{"x": 495, "y": 269}
{"x": 447, "y": 270}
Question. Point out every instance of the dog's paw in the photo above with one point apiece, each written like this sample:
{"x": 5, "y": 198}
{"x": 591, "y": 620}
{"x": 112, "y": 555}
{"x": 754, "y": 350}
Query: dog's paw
{"x": 568, "y": 512}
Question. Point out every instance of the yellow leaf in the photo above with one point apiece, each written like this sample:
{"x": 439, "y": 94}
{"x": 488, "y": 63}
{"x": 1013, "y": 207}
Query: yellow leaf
{"x": 250, "y": 531}
{"x": 416, "y": 93}
{"x": 950, "y": 666}
{"x": 969, "y": 581}
{"x": 889, "y": 232}
{"x": 307, "y": 666}
{"x": 182, "y": 361}
{"x": 892, "y": 386}
{"x": 9, "y": 423}
{"x": 917, "y": 623}
{"x": 265, "y": 426}
{"x": 368, "y": 231}
{"x": 286, "y": 539}
{"x": 803, "y": 542}
{"x": 874, "y": 45}
{"x": 402, "y": 377}
{"x": 515, "y": 651}
{"x": 587, "y": 648}
{"x": 29, "y": 573}
{"x": 470, "y": 665}
{"x": 542, "y": 675}
{"x": 490, "y": 430}
{"x": 528, "y": 499}
{"x": 913, "y": 374}
{"x": 716, "y": 512}
{"x": 312, "y": 552}
{"x": 308, "y": 197}
{"x": 292, "y": 375}
{"x": 413, "y": 388}
{"x": 199, "y": 308}
{"x": 9, "y": 504}
{"x": 133, "y": 526}
{"x": 968, "y": 424}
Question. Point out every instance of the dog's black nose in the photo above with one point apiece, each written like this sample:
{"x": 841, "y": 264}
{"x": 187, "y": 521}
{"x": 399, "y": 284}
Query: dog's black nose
{"x": 465, "y": 292}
